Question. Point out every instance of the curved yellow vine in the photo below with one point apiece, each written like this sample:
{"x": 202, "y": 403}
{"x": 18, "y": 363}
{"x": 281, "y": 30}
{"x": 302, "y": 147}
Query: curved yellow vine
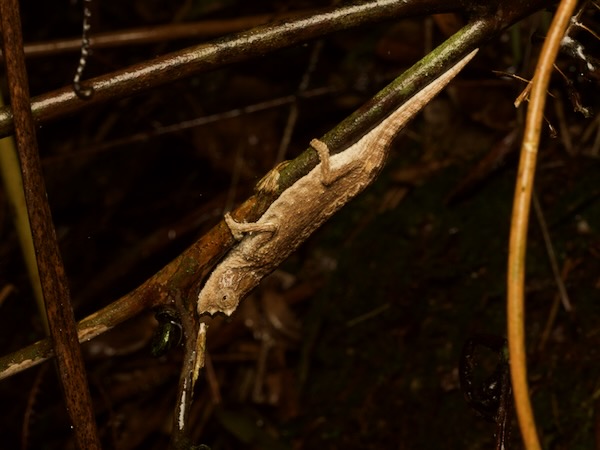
{"x": 520, "y": 219}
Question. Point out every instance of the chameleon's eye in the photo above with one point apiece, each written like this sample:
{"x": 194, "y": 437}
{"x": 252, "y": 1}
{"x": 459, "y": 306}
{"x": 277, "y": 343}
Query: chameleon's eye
{"x": 168, "y": 333}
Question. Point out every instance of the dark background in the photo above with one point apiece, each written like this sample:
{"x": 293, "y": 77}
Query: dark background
{"x": 355, "y": 342}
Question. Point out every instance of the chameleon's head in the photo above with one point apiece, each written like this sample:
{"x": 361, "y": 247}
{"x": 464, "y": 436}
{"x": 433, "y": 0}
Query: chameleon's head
{"x": 224, "y": 289}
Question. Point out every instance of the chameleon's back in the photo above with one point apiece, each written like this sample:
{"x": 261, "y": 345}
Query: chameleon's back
{"x": 307, "y": 204}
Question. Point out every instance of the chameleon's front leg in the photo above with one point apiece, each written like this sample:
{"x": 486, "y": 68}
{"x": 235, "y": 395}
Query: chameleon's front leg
{"x": 327, "y": 177}
{"x": 239, "y": 228}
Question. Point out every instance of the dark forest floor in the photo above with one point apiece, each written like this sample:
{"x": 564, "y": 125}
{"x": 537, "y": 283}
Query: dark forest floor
{"x": 355, "y": 342}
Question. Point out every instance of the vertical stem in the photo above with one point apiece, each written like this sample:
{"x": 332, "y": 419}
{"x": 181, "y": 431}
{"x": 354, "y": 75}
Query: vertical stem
{"x": 52, "y": 275}
{"x": 520, "y": 220}
{"x": 193, "y": 361}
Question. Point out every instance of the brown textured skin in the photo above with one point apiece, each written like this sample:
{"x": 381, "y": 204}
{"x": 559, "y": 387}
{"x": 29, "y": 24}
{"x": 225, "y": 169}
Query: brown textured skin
{"x": 307, "y": 204}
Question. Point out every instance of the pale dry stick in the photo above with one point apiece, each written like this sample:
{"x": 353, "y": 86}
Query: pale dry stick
{"x": 564, "y": 295}
{"x": 520, "y": 220}
{"x": 565, "y": 135}
{"x": 589, "y": 30}
{"x": 564, "y": 274}
{"x": 293, "y": 111}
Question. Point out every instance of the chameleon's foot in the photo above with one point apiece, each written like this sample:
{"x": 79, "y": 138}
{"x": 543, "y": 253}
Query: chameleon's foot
{"x": 238, "y": 229}
{"x": 327, "y": 177}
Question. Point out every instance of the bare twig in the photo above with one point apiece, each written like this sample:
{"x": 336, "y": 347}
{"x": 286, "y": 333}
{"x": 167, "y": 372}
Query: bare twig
{"x": 235, "y": 48}
{"x": 290, "y": 125}
{"x": 244, "y": 46}
{"x": 564, "y": 295}
{"x": 154, "y": 34}
{"x": 193, "y": 360}
{"x": 54, "y": 282}
{"x": 197, "y": 122}
{"x": 520, "y": 220}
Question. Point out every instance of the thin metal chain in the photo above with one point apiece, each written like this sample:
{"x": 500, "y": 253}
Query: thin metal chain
{"x": 84, "y": 92}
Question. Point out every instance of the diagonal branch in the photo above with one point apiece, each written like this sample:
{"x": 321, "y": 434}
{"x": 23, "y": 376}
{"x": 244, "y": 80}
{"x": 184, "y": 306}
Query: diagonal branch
{"x": 247, "y": 45}
{"x": 182, "y": 277}
{"x": 204, "y": 29}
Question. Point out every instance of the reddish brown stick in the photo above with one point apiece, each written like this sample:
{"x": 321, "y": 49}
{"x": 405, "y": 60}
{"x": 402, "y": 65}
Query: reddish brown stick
{"x": 52, "y": 274}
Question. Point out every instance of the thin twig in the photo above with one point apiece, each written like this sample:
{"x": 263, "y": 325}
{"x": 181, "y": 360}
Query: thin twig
{"x": 290, "y": 125}
{"x": 520, "y": 220}
{"x": 54, "y": 282}
{"x": 154, "y": 34}
{"x": 145, "y": 136}
{"x": 193, "y": 360}
{"x": 244, "y": 46}
{"x": 564, "y": 295}
{"x": 219, "y": 53}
